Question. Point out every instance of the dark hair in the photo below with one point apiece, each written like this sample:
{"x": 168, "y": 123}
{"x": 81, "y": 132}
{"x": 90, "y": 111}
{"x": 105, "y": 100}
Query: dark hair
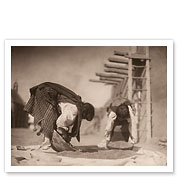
{"x": 123, "y": 111}
{"x": 88, "y": 111}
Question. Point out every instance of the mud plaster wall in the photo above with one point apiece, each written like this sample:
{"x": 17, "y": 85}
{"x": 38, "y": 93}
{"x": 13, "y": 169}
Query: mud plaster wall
{"x": 158, "y": 57}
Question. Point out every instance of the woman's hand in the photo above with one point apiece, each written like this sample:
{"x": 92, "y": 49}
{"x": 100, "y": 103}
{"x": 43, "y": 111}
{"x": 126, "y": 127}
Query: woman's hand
{"x": 64, "y": 134}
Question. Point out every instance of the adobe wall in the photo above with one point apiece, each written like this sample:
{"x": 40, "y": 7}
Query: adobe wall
{"x": 158, "y": 57}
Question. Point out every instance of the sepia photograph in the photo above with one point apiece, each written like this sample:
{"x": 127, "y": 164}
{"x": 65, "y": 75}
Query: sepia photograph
{"x": 88, "y": 103}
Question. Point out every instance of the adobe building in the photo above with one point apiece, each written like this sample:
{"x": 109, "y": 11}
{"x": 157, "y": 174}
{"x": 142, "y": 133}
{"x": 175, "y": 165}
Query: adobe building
{"x": 140, "y": 74}
{"x": 19, "y": 118}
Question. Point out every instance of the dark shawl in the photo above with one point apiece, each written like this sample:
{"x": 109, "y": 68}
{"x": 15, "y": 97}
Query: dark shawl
{"x": 47, "y": 95}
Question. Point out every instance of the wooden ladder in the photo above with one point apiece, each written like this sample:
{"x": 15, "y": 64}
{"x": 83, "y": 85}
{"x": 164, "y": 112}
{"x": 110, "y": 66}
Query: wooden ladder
{"x": 123, "y": 72}
{"x": 140, "y": 90}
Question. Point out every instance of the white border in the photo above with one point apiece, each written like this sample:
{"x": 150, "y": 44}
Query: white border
{"x": 168, "y": 43}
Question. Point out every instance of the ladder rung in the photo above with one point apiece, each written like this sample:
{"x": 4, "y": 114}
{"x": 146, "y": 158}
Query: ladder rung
{"x": 139, "y": 77}
{"x": 139, "y": 66}
{"x": 139, "y": 89}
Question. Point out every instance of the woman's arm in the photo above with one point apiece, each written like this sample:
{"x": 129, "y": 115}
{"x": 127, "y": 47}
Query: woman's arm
{"x": 108, "y": 130}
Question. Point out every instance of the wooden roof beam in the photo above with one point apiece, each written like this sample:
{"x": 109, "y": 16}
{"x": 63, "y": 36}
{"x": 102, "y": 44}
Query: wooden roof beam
{"x": 110, "y": 79}
{"x": 111, "y": 75}
{"x": 134, "y": 55}
{"x": 103, "y": 82}
{"x": 116, "y": 66}
{"x": 115, "y": 70}
{"x": 120, "y": 53}
{"x": 119, "y": 60}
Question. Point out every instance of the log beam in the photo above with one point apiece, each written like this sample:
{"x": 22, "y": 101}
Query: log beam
{"x": 115, "y": 70}
{"x": 116, "y": 66}
{"x": 119, "y": 60}
{"x": 130, "y": 81}
{"x": 103, "y": 82}
{"x": 120, "y": 53}
{"x": 110, "y": 79}
{"x": 111, "y": 75}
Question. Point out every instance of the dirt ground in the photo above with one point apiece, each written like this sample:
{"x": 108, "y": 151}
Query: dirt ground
{"x": 28, "y": 155}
